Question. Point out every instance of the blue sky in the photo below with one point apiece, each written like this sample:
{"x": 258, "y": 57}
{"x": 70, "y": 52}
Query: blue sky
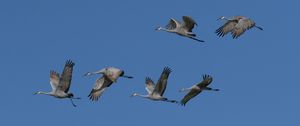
{"x": 257, "y": 73}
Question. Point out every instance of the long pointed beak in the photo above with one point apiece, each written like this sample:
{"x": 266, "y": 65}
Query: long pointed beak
{"x": 219, "y": 19}
{"x": 158, "y": 28}
{"x": 87, "y": 74}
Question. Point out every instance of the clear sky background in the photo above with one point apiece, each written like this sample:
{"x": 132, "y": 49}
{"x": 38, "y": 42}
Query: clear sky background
{"x": 258, "y": 74}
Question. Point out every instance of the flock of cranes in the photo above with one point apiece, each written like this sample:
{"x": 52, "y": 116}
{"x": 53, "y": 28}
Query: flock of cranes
{"x": 61, "y": 83}
{"x": 237, "y": 25}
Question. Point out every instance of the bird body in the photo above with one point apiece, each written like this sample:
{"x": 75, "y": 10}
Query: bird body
{"x": 155, "y": 92}
{"x": 60, "y": 85}
{"x": 236, "y": 25}
{"x": 197, "y": 88}
{"x": 182, "y": 29}
{"x": 110, "y": 75}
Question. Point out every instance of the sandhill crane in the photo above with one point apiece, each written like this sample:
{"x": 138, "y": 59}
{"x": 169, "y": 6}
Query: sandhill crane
{"x": 110, "y": 76}
{"x": 237, "y": 26}
{"x": 61, "y": 85}
{"x": 155, "y": 92}
{"x": 196, "y": 89}
{"x": 182, "y": 29}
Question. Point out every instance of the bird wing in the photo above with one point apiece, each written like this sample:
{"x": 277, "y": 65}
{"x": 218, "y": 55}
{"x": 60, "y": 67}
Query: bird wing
{"x": 189, "y": 96}
{"x": 161, "y": 85}
{"x": 99, "y": 87}
{"x": 149, "y": 85}
{"x": 66, "y": 76}
{"x": 54, "y": 80}
{"x": 172, "y": 24}
{"x": 226, "y": 28}
{"x": 189, "y": 23}
{"x": 207, "y": 79}
{"x": 242, "y": 25}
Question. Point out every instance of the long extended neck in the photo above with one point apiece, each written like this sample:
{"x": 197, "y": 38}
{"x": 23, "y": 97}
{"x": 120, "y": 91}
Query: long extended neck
{"x": 91, "y": 73}
{"x": 139, "y": 95}
{"x": 44, "y": 93}
{"x": 164, "y": 29}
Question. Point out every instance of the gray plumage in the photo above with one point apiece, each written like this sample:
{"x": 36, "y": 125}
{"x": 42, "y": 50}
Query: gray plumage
{"x": 197, "y": 88}
{"x": 156, "y": 92}
{"x": 183, "y": 29}
{"x": 236, "y": 25}
{"x": 110, "y": 75}
{"x": 61, "y": 85}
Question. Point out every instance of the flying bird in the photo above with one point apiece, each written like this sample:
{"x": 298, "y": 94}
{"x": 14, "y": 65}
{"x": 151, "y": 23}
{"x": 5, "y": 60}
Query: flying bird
{"x": 156, "y": 92}
{"x": 236, "y": 25}
{"x": 196, "y": 89}
{"x": 109, "y": 76}
{"x": 183, "y": 29}
{"x": 61, "y": 85}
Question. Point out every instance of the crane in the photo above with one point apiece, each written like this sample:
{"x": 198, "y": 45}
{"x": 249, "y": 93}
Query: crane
{"x": 183, "y": 29}
{"x": 61, "y": 85}
{"x": 236, "y": 25}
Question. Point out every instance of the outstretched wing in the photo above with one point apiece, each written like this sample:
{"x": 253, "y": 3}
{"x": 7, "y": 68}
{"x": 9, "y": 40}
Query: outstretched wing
{"x": 149, "y": 85}
{"x": 242, "y": 25}
{"x": 189, "y": 23}
{"x": 172, "y": 24}
{"x": 99, "y": 87}
{"x": 66, "y": 76}
{"x": 226, "y": 28}
{"x": 161, "y": 85}
{"x": 54, "y": 80}
{"x": 207, "y": 79}
{"x": 189, "y": 96}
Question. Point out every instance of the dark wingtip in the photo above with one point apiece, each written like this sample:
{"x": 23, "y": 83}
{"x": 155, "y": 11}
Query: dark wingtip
{"x": 182, "y": 104}
{"x": 167, "y": 69}
{"x": 148, "y": 79}
{"x": 206, "y": 77}
{"x": 70, "y": 63}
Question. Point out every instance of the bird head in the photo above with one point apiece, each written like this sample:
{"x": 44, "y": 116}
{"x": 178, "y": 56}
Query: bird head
{"x": 159, "y": 28}
{"x": 87, "y": 74}
{"x": 37, "y": 93}
{"x": 221, "y": 18}
{"x": 181, "y": 90}
{"x": 134, "y": 94}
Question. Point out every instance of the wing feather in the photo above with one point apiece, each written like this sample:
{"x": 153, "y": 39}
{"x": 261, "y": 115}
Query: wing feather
{"x": 172, "y": 24}
{"x": 226, "y": 28}
{"x": 54, "y": 80}
{"x": 189, "y": 96}
{"x": 242, "y": 25}
{"x": 99, "y": 87}
{"x": 189, "y": 23}
{"x": 66, "y": 76}
{"x": 161, "y": 85}
{"x": 149, "y": 85}
{"x": 207, "y": 79}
